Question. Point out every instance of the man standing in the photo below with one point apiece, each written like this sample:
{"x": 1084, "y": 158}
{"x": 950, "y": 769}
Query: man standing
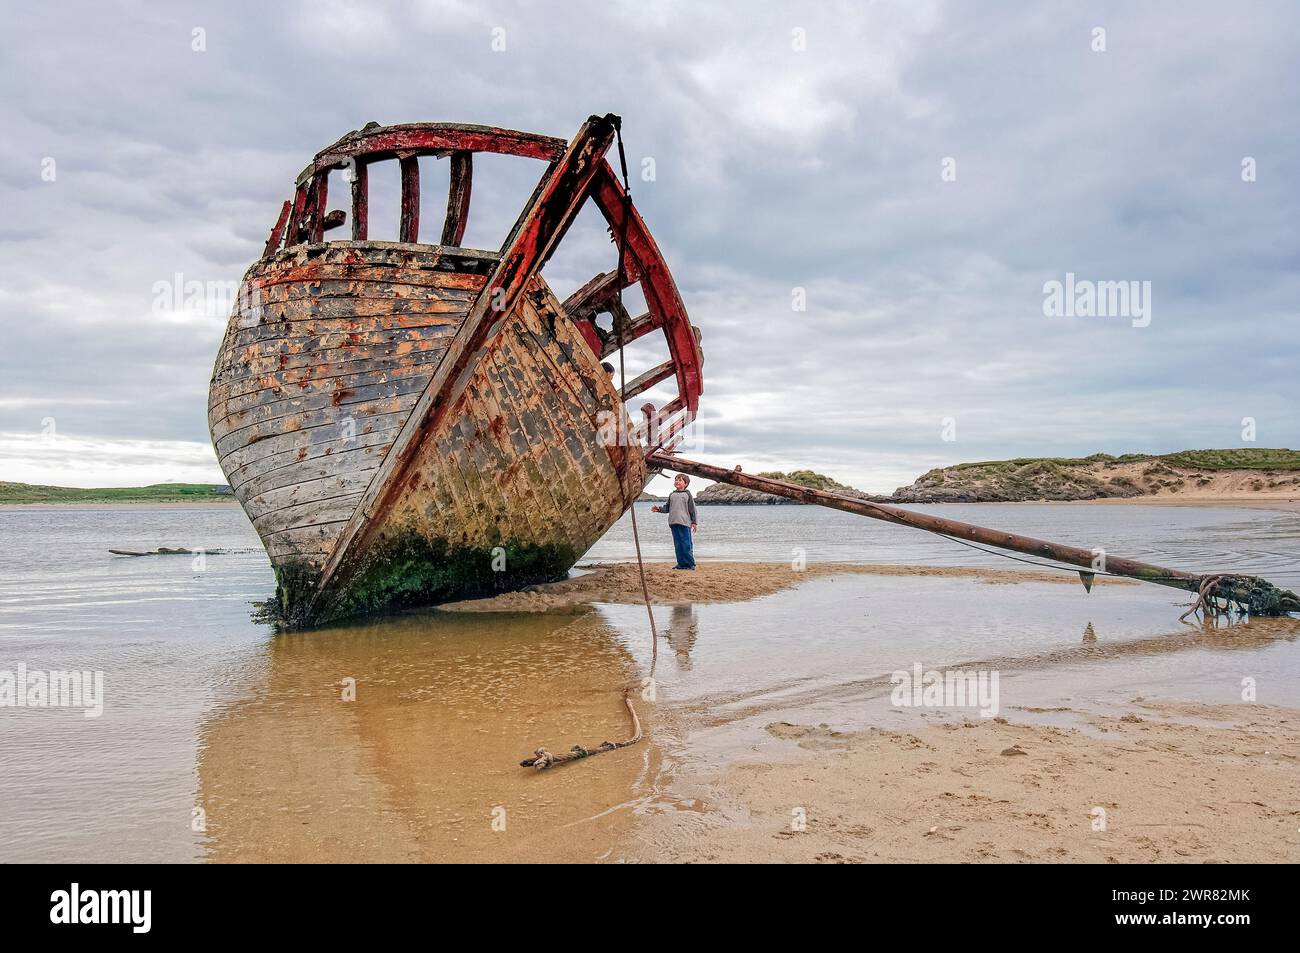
{"x": 680, "y": 508}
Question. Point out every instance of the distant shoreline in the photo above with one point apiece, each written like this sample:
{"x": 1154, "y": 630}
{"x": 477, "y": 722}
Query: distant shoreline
{"x": 220, "y": 501}
{"x": 1282, "y": 504}
{"x": 183, "y": 494}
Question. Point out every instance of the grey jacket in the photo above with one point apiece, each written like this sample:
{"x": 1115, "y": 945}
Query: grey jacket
{"x": 681, "y": 508}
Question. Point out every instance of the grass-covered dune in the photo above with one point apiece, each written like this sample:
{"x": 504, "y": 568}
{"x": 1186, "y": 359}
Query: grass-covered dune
{"x": 1206, "y": 474}
{"x": 157, "y": 493}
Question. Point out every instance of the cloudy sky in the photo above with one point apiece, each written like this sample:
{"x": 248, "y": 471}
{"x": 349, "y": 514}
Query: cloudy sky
{"x": 916, "y": 172}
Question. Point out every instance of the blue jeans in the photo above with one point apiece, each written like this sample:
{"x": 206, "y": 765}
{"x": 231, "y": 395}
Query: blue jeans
{"x": 684, "y": 547}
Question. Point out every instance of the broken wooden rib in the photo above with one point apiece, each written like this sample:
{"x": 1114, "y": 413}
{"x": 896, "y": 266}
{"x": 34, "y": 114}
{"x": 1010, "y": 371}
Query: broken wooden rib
{"x": 406, "y": 422}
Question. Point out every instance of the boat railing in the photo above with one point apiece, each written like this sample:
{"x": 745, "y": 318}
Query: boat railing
{"x": 306, "y": 219}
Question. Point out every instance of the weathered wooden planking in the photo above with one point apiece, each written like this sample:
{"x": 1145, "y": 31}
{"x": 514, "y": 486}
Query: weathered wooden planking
{"x": 301, "y": 309}
{"x": 534, "y": 473}
{"x": 309, "y": 514}
{"x": 316, "y": 375}
{"x": 545, "y": 461}
{"x": 342, "y": 332}
{"x": 305, "y": 444}
{"x": 261, "y": 361}
{"x": 346, "y": 374}
{"x": 337, "y": 417}
{"x": 577, "y": 407}
{"x": 299, "y": 469}
{"x": 404, "y": 283}
{"x": 311, "y": 544}
{"x": 321, "y": 489}
{"x": 313, "y": 394}
{"x": 521, "y": 452}
{"x": 516, "y": 468}
{"x": 339, "y": 400}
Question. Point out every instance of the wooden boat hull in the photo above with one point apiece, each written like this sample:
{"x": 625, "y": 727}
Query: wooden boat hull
{"x": 408, "y": 423}
{"x": 325, "y": 355}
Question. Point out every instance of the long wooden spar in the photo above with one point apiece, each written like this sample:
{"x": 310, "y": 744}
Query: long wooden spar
{"x": 1257, "y": 595}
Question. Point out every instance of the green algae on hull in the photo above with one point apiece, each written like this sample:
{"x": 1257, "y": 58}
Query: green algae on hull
{"x": 410, "y": 570}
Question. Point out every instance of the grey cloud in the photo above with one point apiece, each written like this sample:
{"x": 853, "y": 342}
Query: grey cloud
{"x": 775, "y": 170}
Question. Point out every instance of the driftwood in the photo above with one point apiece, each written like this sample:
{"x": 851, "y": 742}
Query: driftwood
{"x": 166, "y": 551}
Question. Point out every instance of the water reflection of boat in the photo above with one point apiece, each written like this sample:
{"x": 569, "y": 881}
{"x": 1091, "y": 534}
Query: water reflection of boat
{"x": 421, "y": 766}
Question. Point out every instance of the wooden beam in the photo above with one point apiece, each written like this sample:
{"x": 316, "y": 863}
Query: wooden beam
{"x": 410, "y": 227}
{"x": 636, "y": 328}
{"x": 642, "y": 383}
{"x": 591, "y": 297}
{"x": 1228, "y": 586}
{"x": 550, "y": 211}
{"x": 360, "y": 202}
{"x": 462, "y": 181}
{"x": 277, "y": 233}
{"x": 661, "y": 294}
{"x": 320, "y": 196}
{"x": 296, "y": 217}
{"x": 388, "y": 142}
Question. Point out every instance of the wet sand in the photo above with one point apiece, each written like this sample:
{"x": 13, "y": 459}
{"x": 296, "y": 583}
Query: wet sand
{"x": 1168, "y": 782}
{"x": 421, "y": 764}
{"x": 208, "y": 712}
{"x": 725, "y": 582}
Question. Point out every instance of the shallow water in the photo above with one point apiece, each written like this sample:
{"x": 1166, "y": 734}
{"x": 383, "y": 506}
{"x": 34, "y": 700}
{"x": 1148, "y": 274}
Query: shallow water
{"x": 220, "y": 740}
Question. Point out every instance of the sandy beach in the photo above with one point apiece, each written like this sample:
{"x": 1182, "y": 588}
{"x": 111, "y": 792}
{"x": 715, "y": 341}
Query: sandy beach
{"x": 725, "y": 582}
{"x": 773, "y": 735}
{"x": 1160, "y": 780}
{"x": 1168, "y": 782}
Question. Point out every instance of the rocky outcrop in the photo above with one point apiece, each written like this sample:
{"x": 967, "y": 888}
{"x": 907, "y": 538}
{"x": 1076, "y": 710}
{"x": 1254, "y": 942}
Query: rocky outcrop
{"x": 724, "y": 494}
{"x": 1191, "y": 474}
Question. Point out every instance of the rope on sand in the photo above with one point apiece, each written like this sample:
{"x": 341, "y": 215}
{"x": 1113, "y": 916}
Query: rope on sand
{"x": 543, "y": 759}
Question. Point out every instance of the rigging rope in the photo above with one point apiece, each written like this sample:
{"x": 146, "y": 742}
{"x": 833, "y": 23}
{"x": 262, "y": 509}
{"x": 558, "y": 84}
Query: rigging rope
{"x": 622, "y": 386}
{"x": 542, "y": 758}
{"x": 1206, "y": 601}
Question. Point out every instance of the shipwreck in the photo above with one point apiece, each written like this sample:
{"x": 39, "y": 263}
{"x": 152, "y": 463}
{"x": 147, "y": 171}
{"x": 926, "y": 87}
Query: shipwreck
{"x": 408, "y": 422}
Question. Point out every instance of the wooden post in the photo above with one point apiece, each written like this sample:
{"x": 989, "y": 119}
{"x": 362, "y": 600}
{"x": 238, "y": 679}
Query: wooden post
{"x": 410, "y": 227}
{"x": 360, "y": 202}
{"x": 277, "y": 233}
{"x": 320, "y": 197}
{"x": 462, "y": 182}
